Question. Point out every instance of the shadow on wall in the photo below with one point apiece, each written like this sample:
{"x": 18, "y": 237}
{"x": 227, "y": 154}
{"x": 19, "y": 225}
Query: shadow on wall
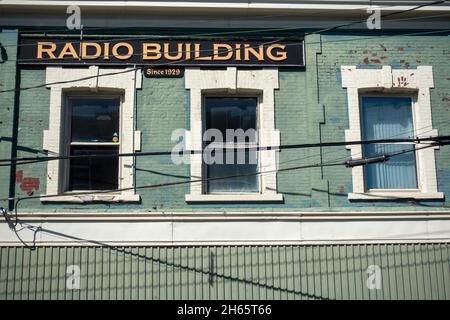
{"x": 205, "y": 264}
{"x": 3, "y": 54}
{"x": 408, "y": 271}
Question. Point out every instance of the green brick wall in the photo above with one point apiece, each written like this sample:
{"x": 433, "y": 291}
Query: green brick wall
{"x": 408, "y": 271}
{"x": 372, "y": 52}
{"x": 310, "y": 106}
{"x": 8, "y": 39}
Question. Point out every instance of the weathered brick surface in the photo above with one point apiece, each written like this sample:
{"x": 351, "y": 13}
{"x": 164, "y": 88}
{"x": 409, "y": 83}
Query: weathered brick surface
{"x": 400, "y": 52}
{"x": 300, "y": 107}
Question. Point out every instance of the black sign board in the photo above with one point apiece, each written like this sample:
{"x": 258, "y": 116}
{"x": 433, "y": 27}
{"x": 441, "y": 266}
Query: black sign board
{"x": 64, "y": 51}
{"x": 164, "y": 72}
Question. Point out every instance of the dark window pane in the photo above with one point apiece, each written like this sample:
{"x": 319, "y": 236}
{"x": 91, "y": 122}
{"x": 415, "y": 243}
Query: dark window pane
{"x": 247, "y": 165}
{"x": 231, "y": 113}
{"x": 95, "y": 120}
{"x": 94, "y": 173}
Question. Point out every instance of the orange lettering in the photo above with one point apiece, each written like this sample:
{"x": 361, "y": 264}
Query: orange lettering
{"x": 115, "y": 51}
{"x": 156, "y": 50}
{"x": 280, "y": 56}
{"x": 48, "y": 51}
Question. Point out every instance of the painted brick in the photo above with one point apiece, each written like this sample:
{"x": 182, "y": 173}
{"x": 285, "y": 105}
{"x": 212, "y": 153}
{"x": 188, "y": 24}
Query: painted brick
{"x": 303, "y": 112}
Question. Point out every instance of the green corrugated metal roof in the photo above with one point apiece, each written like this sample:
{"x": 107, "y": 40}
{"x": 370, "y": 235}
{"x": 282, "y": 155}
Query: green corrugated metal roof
{"x": 408, "y": 271}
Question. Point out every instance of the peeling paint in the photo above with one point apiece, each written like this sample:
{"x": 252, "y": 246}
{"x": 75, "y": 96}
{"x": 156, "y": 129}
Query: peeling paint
{"x": 27, "y": 184}
{"x": 402, "y": 81}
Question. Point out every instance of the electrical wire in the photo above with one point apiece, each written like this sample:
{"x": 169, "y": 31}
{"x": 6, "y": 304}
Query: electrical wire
{"x": 406, "y": 132}
{"x": 113, "y": 73}
{"x": 287, "y": 147}
{"x": 390, "y": 14}
{"x": 360, "y": 153}
{"x": 311, "y": 156}
{"x": 106, "y": 38}
{"x": 244, "y": 31}
{"x": 177, "y": 62}
{"x": 174, "y": 62}
{"x": 328, "y": 164}
{"x": 39, "y": 159}
{"x": 325, "y": 30}
{"x": 177, "y": 183}
{"x": 227, "y": 33}
{"x": 256, "y": 148}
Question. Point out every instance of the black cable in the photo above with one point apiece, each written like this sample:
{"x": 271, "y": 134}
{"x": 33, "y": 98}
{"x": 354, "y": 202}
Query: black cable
{"x": 211, "y": 50}
{"x": 284, "y": 38}
{"x": 120, "y": 72}
{"x": 72, "y": 32}
{"x": 316, "y": 165}
{"x": 175, "y": 62}
{"x": 28, "y": 160}
{"x": 227, "y": 32}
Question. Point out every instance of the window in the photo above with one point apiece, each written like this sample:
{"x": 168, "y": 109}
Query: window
{"x": 391, "y": 103}
{"x": 233, "y": 98}
{"x": 94, "y": 130}
{"x": 91, "y": 116}
{"x": 385, "y": 117}
{"x": 232, "y": 115}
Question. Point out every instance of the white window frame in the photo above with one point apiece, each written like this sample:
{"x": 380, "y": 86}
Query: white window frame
{"x": 234, "y": 82}
{"x": 121, "y": 82}
{"x": 388, "y": 81}
{"x": 228, "y": 145}
{"x": 67, "y": 143}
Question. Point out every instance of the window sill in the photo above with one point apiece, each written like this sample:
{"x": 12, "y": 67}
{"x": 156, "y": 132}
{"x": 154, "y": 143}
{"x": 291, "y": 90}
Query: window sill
{"x": 272, "y": 197}
{"x": 101, "y": 197}
{"x": 397, "y": 194}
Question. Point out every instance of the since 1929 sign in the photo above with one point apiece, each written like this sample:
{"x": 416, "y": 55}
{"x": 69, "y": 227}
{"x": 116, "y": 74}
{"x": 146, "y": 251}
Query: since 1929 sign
{"x": 63, "y": 51}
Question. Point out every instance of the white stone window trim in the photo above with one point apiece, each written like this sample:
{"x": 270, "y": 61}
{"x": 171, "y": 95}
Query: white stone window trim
{"x": 233, "y": 81}
{"x": 417, "y": 82}
{"x": 63, "y": 81}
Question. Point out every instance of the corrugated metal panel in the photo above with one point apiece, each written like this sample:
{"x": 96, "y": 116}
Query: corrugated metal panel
{"x": 408, "y": 271}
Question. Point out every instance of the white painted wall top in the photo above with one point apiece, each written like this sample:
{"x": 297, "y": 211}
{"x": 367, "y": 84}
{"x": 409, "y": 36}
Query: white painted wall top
{"x": 223, "y": 14}
{"x": 238, "y": 4}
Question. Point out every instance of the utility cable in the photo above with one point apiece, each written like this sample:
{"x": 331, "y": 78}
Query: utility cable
{"x": 174, "y": 62}
{"x": 243, "y": 31}
{"x": 345, "y": 163}
{"x": 253, "y": 148}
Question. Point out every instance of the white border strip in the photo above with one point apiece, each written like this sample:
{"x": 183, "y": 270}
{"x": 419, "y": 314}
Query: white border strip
{"x": 230, "y": 215}
{"x": 224, "y": 232}
{"x": 398, "y": 6}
